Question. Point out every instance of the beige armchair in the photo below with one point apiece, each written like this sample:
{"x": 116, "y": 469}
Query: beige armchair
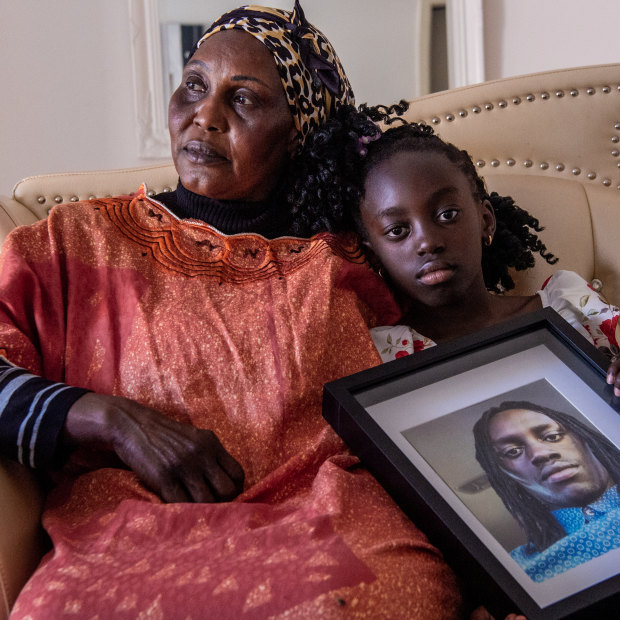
{"x": 550, "y": 140}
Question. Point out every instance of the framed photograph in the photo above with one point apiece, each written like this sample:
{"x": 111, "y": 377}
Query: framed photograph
{"x": 504, "y": 448}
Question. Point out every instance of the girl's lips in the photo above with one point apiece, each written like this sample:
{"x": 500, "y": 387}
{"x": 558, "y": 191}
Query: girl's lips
{"x": 200, "y": 153}
{"x": 436, "y": 275}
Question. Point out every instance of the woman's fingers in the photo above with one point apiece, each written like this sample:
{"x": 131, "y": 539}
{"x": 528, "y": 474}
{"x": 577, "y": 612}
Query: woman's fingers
{"x": 177, "y": 461}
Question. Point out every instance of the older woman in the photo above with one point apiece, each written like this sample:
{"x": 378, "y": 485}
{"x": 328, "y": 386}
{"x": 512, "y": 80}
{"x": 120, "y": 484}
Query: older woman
{"x": 196, "y": 337}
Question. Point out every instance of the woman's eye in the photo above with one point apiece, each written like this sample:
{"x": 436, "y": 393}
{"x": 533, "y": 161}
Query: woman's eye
{"x": 447, "y": 215}
{"x": 554, "y": 437}
{"x": 241, "y": 99}
{"x": 194, "y": 84}
{"x": 245, "y": 99}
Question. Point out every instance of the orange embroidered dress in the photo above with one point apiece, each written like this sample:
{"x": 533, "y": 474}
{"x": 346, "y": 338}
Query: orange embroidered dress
{"x": 232, "y": 333}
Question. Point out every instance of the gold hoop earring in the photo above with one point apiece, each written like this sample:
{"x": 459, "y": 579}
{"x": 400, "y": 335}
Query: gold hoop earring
{"x": 488, "y": 241}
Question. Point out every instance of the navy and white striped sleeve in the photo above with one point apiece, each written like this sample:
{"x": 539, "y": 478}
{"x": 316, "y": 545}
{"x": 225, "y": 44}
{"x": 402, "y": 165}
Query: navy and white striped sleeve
{"x": 32, "y": 413}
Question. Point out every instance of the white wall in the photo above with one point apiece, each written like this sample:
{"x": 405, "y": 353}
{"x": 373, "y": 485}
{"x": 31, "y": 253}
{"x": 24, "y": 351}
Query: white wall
{"x": 67, "y": 102}
{"x": 351, "y": 26}
{"x": 527, "y": 36}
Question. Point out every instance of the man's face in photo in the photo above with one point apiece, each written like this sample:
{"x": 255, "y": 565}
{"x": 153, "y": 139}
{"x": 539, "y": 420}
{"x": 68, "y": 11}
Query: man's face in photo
{"x": 550, "y": 462}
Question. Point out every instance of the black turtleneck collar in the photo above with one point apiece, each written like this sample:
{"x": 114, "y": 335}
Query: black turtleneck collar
{"x": 269, "y": 219}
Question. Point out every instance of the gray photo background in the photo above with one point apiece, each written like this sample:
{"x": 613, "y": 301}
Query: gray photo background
{"x": 447, "y": 445}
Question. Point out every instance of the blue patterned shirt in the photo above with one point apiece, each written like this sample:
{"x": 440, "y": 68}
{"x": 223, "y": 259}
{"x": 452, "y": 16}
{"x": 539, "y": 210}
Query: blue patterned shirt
{"x": 591, "y": 531}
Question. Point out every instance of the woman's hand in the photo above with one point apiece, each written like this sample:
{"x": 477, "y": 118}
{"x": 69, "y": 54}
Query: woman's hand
{"x": 177, "y": 461}
{"x": 613, "y": 375}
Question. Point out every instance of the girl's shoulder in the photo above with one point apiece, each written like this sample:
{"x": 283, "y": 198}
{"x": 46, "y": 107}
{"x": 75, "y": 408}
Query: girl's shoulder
{"x": 584, "y": 308}
{"x": 563, "y": 280}
{"x": 395, "y": 341}
{"x": 567, "y": 288}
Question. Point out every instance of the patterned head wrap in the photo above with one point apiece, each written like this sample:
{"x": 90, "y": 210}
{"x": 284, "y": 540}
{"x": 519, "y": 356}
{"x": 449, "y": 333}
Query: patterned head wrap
{"x": 313, "y": 78}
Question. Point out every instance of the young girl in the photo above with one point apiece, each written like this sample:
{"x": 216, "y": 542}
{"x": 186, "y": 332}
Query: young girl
{"x": 446, "y": 246}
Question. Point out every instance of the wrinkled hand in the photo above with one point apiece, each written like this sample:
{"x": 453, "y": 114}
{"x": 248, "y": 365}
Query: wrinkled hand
{"x": 613, "y": 375}
{"x": 481, "y": 613}
{"x": 177, "y": 461}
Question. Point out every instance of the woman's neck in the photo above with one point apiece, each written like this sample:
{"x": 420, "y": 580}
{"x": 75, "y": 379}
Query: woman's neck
{"x": 268, "y": 218}
{"x": 444, "y": 323}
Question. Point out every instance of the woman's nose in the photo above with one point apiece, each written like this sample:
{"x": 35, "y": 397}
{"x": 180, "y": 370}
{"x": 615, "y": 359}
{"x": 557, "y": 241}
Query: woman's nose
{"x": 208, "y": 114}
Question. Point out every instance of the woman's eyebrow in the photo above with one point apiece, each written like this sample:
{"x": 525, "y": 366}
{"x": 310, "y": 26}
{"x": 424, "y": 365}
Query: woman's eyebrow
{"x": 234, "y": 78}
{"x": 194, "y": 61}
{"x": 248, "y": 78}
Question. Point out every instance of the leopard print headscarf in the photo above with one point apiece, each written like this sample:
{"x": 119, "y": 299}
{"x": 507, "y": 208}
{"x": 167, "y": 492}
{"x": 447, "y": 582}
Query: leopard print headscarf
{"x": 312, "y": 76}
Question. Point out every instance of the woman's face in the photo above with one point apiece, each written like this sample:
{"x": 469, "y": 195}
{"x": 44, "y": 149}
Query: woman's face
{"x": 231, "y": 129}
{"x": 553, "y": 464}
{"x": 426, "y": 227}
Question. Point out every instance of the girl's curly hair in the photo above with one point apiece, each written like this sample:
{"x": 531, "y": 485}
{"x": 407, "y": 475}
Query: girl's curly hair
{"x": 342, "y": 154}
{"x": 322, "y": 179}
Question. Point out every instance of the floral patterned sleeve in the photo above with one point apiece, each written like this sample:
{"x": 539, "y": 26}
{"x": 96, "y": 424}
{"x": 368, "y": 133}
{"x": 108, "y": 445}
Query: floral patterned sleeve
{"x": 397, "y": 341}
{"x": 585, "y": 309}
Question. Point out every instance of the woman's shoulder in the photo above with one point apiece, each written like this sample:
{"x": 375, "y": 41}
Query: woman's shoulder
{"x": 395, "y": 341}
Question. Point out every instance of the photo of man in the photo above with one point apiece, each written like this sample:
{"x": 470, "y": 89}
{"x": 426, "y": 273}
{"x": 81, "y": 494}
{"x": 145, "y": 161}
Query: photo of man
{"x": 558, "y": 478}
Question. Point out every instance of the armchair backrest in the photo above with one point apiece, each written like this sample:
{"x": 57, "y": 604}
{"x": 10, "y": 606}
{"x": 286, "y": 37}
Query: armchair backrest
{"x": 550, "y": 140}
{"x": 34, "y": 197}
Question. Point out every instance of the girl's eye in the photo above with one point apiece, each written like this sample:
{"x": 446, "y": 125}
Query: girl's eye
{"x": 447, "y": 215}
{"x": 554, "y": 437}
{"x": 396, "y": 232}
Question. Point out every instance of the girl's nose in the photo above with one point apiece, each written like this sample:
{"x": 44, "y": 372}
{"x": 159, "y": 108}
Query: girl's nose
{"x": 428, "y": 240}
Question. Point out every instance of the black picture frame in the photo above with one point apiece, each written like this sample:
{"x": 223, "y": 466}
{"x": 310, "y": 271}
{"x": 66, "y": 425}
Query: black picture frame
{"x": 381, "y": 411}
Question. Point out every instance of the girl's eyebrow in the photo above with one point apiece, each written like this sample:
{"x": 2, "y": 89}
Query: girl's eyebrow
{"x": 441, "y": 192}
{"x": 396, "y": 210}
{"x": 390, "y": 211}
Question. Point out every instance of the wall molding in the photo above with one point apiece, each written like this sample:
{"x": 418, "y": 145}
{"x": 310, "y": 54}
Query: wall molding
{"x": 148, "y": 88}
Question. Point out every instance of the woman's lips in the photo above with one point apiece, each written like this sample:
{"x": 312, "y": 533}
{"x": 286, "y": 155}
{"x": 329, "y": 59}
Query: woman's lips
{"x": 201, "y": 153}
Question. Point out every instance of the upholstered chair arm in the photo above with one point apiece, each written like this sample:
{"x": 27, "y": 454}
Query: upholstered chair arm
{"x": 21, "y": 536}
{"x": 13, "y": 214}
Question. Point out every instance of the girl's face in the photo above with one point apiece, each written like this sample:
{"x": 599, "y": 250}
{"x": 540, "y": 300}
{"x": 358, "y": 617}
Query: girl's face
{"x": 426, "y": 227}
